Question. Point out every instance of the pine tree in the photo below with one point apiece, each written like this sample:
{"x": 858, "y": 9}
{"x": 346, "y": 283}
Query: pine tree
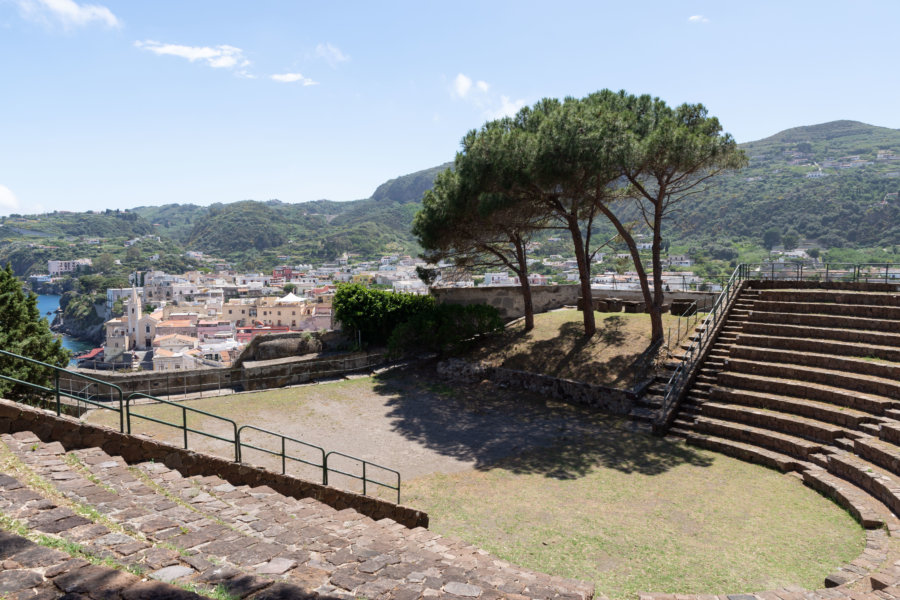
{"x": 24, "y": 332}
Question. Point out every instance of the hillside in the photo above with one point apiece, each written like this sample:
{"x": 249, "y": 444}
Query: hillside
{"x": 836, "y": 184}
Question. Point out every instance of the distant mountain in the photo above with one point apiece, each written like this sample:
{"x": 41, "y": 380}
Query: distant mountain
{"x": 837, "y": 184}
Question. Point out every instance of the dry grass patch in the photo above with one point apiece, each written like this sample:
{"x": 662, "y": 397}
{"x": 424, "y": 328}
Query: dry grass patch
{"x": 710, "y": 524}
{"x": 557, "y": 346}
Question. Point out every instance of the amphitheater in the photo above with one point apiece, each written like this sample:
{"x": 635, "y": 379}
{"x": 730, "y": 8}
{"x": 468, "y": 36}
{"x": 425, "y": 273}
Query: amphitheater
{"x": 800, "y": 376}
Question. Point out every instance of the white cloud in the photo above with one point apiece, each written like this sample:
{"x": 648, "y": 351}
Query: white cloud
{"x": 697, "y": 19}
{"x": 217, "y": 57}
{"x": 67, "y": 12}
{"x": 331, "y": 54}
{"x": 8, "y": 201}
{"x": 478, "y": 94}
{"x": 508, "y": 107}
{"x": 293, "y": 78}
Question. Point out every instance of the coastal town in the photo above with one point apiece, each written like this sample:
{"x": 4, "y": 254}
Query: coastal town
{"x": 204, "y": 319}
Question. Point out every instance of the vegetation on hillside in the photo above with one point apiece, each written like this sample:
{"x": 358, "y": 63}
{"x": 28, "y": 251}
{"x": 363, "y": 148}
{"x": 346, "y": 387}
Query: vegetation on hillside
{"x": 837, "y": 185}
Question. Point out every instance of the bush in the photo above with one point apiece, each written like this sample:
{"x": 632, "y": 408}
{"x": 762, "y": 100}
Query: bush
{"x": 374, "y": 314}
{"x": 445, "y": 327}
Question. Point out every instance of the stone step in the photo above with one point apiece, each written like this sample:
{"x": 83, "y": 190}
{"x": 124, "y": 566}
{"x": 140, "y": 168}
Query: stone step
{"x": 744, "y": 350}
{"x": 854, "y": 329}
{"x": 880, "y": 452}
{"x": 821, "y": 346}
{"x": 729, "y": 447}
{"x": 152, "y": 532}
{"x": 870, "y": 403}
{"x": 831, "y": 297}
{"x": 787, "y": 423}
{"x": 868, "y": 512}
{"x": 877, "y": 482}
{"x": 256, "y": 534}
{"x": 865, "y": 383}
{"x": 348, "y": 545}
{"x": 643, "y": 414}
{"x": 36, "y": 571}
{"x": 865, "y": 311}
{"x": 820, "y": 411}
{"x": 771, "y": 440}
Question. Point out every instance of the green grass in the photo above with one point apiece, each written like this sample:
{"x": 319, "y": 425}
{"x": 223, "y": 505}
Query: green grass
{"x": 678, "y": 520}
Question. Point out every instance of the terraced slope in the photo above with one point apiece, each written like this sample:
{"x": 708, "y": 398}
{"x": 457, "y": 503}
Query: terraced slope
{"x": 202, "y": 534}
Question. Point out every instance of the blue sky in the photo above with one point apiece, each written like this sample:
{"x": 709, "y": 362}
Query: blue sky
{"x": 116, "y": 104}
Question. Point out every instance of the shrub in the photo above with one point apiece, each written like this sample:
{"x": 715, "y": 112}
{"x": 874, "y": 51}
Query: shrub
{"x": 374, "y": 314}
{"x": 445, "y": 327}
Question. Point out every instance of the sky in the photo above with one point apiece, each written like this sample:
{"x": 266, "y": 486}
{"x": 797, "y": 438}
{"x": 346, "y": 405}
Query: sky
{"x": 118, "y": 104}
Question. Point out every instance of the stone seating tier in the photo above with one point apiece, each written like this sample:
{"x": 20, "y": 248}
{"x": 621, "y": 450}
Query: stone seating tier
{"x": 195, "y": 533}
{"x": 807, "y": 381}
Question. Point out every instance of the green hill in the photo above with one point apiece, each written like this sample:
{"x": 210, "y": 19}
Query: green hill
{"x": 833, "y": 183}
{"x": 836, "y": 184}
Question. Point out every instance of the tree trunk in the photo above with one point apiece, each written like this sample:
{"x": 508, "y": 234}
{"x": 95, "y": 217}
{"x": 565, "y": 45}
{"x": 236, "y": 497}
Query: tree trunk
{"x": 658, "y": 291}
{"x": 529, "y": 304}
{"x": 522, "y": 272}
{"x": 584, "y": 274}
{"x": 656, "y": 327}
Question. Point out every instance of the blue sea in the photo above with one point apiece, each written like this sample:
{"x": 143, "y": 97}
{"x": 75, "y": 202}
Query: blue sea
{"x": 49, "y": 303}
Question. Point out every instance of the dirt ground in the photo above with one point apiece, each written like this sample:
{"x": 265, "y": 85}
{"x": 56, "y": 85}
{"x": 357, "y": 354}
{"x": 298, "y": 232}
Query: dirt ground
{"x": 405, "y": 419}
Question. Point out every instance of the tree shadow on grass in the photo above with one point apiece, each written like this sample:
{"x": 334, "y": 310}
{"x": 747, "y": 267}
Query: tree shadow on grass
{"x": 572, "y": 356}
{"x": 520, "y": 431}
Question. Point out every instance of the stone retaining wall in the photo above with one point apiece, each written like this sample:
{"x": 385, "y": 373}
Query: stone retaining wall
{"x": 607, "y": 399}
{"x": 74, "y": 434}
{"x": 253, "y": 375}
{"x": 508, "y": 299}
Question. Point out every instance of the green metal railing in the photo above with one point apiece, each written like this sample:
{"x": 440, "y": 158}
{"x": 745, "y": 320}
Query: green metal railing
{"x": 59, "y": 393}
{"x": 682, "y": 372}
{"x": 283, "y": 453}
{"x": 234, "y": 441}
{"x": 824, "y": 272}
{"x": 364, "y": 477}
{"x": 126, "y": 411}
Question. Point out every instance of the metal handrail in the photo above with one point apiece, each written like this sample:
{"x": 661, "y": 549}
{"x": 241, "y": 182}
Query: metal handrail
{"x": 61, "y": 393}
{"x": 364, "y": 478}
{"x": 126, "y": 412}
{"x": 852, "y": 272}
{"x": 678, "y": 378}
{"x": 183, "y": 426}
{"x": 283, "y": 454}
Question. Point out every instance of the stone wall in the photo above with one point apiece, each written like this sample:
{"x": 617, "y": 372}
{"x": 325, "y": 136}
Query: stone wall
{"x": 607, "y": 399}
{"x": 74, "y": 434}
{"x": 253, "y": 375}
{"x": 508, "y": 299}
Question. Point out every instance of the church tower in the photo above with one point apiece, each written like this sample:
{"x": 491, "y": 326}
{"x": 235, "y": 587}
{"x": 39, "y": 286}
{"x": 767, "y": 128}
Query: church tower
{"x": 134, "y": 315}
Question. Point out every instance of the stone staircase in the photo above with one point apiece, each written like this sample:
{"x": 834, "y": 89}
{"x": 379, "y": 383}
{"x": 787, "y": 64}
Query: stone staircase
{"x": 84, "y": 524}
{"x": 807, "y": 380}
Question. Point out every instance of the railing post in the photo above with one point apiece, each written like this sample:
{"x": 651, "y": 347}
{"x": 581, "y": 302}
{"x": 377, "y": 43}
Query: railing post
{"x": 58, "y": 402}
{"x": 325, "y": 470}
{"x": 184, "y": 426}
{"x": 364, "y": 478}
{"x": 283, "y": 459}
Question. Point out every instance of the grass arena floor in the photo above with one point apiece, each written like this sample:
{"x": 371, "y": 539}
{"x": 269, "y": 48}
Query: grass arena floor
{"x": 554, "y": 487}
